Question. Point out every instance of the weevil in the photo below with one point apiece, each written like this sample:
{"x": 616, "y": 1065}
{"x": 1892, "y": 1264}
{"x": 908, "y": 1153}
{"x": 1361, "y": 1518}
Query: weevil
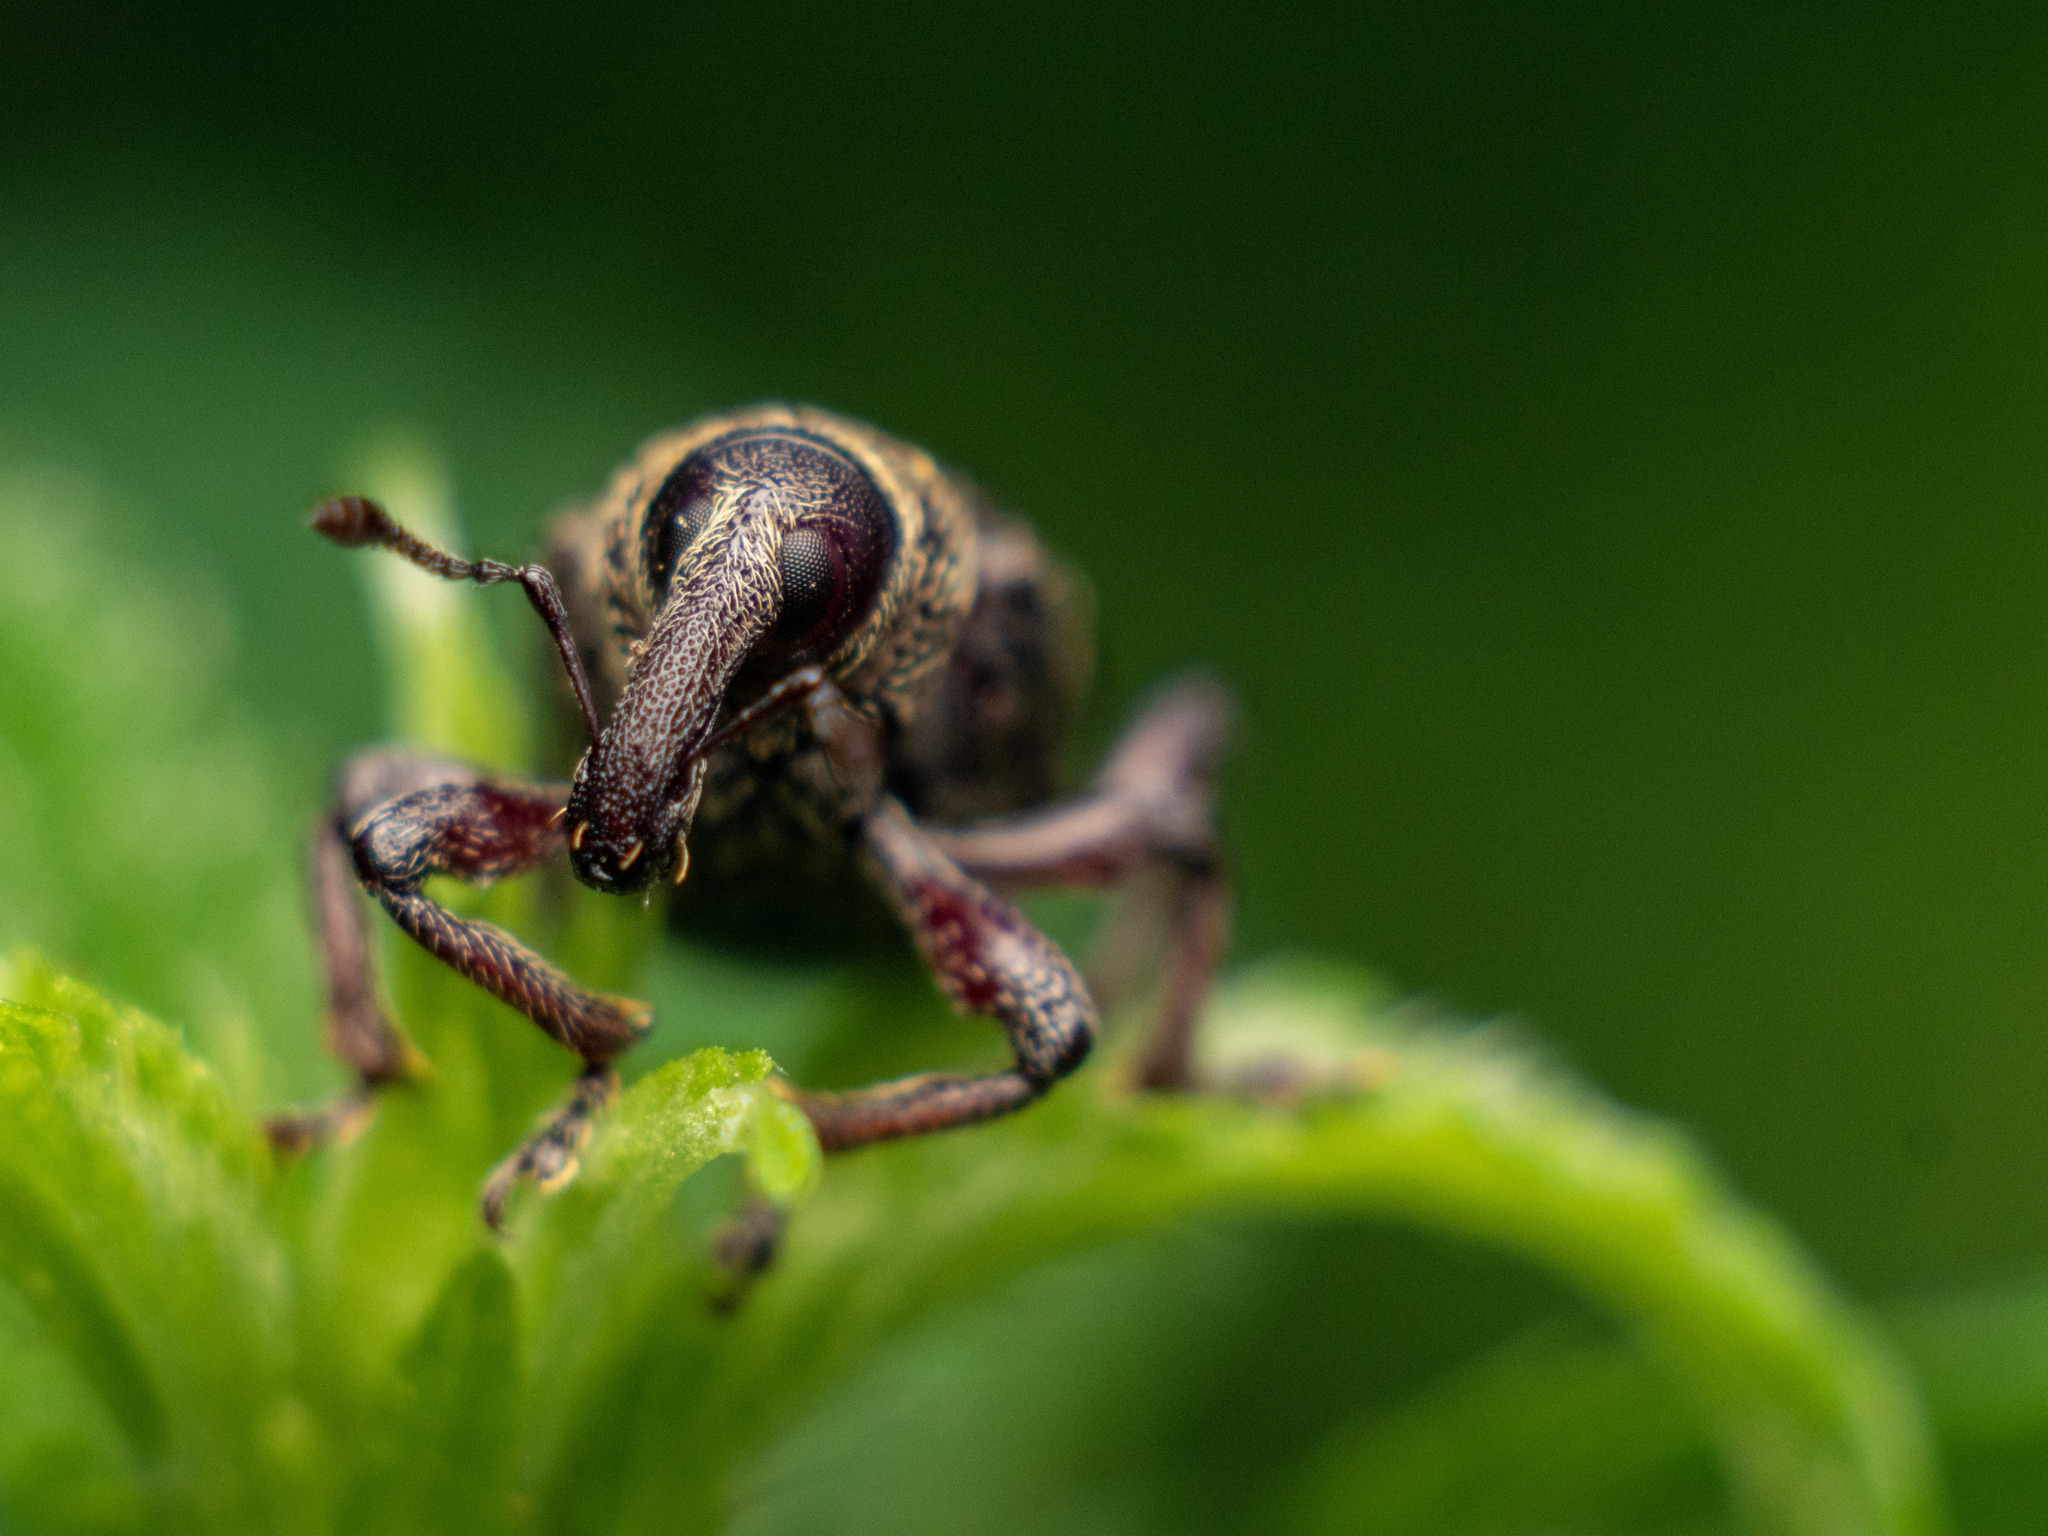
{"x": 816, "y": 671}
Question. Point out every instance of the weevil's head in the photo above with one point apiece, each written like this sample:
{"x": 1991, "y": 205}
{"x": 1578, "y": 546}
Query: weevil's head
{"x": 759, "y": 550}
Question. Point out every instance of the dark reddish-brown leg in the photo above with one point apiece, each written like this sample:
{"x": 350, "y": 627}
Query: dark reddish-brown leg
{"x": 482, "y": 830}
{"x": 399, "y": 819}
{"x": 985, "y": 954}
{"x": 1150, "y": 808}
{"x": 989, "y": 959}
{"x": 549, "y": 1157}
{"x": 359, "y": 1030}
{"x": 742, "y": 1248}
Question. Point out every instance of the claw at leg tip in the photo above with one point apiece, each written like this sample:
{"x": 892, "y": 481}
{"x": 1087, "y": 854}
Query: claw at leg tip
{"x": 550, "y": 1182}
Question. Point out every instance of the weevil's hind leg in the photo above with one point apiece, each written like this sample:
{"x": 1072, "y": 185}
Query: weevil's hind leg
{"x": 989, "y": 959}
{"x": 1149, "y": 812}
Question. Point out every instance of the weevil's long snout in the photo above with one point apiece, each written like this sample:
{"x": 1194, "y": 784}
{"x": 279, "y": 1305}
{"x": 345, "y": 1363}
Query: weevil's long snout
{"x": 635, "y": 792}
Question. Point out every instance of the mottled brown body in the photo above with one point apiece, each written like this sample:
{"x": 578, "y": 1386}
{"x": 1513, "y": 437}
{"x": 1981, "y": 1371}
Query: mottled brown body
{"x": 971, "y": 670}
{"x": 824, "y": 680}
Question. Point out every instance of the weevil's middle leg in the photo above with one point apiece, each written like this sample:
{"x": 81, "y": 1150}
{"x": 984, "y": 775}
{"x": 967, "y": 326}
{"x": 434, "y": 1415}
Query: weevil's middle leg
{"x": 359, "y": 1031}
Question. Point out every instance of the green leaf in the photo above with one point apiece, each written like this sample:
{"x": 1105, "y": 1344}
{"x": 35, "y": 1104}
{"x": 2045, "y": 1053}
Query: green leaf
{"x": 1563, "y": 1434}
{"x": 64, "y": 1462}
{"x": 1484, "y": 1447}
{"x": 131, "y": 1224}
{"x": 142, "y": 832}
{"x": 1982, "y": 1360}
{"x": 783, "y": 1161}
{"x": 1457, "y": 1130}
{"x": 601, "y": 1256}
{"x": 442, "y": 1449}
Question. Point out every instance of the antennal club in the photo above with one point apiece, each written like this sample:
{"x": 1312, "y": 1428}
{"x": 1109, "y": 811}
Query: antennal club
{"x": 356, "y": 522}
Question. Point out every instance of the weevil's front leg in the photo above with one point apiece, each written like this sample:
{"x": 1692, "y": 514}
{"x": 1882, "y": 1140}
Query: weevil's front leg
{"x": 1150, "y": 807}
{"x": 428, "y": 817}
{"x": 359, "y": 1030}
{"x": 986, "y": 954}
{"x": 989, "y": 959}
{"x": 481, "y": 831}
{"x": 550, "y": 1156}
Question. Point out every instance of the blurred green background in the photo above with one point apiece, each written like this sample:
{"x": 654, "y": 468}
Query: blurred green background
{"x": 1605, "y": 449}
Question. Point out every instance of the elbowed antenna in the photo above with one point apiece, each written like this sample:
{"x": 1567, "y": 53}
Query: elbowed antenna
{"x": 356, "y": 522}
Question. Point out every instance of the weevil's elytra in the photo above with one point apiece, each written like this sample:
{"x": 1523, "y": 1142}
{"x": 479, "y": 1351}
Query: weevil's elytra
{"x": 815, "y": 670}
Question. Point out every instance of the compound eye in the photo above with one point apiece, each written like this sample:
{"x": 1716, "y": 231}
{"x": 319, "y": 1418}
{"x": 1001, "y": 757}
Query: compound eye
{"x": 675, "y": 517}
{"x": 811, "y": 572}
